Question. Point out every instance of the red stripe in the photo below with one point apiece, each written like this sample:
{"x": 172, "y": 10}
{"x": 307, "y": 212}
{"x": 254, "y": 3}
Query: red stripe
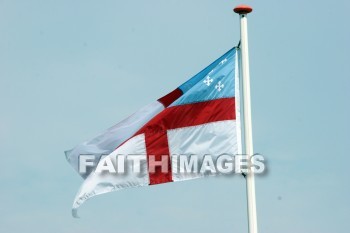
{"x": 157, "y": 146}
{"x": 171, "y": 97}
{"x": 177, "y": 117}
{"x": 191, "y": 115}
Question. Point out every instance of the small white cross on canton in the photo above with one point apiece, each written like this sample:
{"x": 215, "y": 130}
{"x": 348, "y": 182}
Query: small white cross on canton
{"x": 223, "y": 61}
{"x": 219, "y": 86}
{"x": 208, "y": 81}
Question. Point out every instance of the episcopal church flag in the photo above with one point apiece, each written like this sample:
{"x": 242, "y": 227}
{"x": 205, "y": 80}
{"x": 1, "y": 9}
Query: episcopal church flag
{"x": 200, "y": 117}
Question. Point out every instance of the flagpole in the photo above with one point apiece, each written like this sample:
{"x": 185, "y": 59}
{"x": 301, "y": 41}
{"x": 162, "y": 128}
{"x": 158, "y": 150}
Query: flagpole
{"x": 243, "y": 10}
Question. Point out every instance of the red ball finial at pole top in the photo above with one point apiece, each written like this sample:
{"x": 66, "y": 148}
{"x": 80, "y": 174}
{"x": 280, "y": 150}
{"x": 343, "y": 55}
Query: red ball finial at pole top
{"x": 243, "y": 9}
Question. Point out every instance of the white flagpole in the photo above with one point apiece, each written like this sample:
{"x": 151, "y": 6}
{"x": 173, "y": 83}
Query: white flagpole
{"x": 243, "y": 10}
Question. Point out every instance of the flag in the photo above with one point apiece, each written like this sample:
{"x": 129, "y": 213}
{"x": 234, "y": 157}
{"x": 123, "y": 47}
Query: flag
{"x": 199, "y": 117}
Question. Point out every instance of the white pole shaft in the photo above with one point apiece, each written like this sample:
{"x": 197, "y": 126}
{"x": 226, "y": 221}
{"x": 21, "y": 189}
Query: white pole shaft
{"x": 252, "y": 216}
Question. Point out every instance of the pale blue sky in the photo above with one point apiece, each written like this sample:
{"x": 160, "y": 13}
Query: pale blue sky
{"x": 69, "y": 69}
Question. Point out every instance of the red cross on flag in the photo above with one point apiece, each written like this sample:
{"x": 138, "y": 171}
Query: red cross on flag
{"x": 200, "y": 117}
